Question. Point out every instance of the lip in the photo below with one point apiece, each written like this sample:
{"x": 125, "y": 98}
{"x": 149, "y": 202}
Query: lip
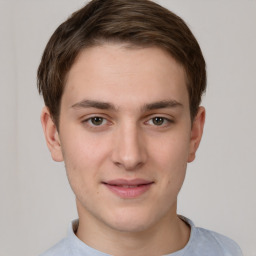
{"x": 128, "y": 188}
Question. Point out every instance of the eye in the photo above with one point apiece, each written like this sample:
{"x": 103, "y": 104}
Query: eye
{"x": 159, "y": 121}
{"x": 96, "y": 121}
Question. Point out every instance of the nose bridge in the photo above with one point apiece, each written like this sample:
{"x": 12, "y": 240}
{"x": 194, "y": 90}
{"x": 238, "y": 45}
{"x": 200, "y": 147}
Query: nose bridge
{"x": 129, "y": 149}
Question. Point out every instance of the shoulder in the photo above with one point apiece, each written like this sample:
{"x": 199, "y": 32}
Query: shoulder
{"x": 59, "y": 249}
{"x": 213, "y": 243}
{"x": 204, "y": 242}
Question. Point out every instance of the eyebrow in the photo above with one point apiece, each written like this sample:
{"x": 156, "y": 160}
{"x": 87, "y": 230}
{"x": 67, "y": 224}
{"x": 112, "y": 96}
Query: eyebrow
{"x": 161, "y": 104}
{"x": 109, "y": 106}
{"x": 94, "y": 104}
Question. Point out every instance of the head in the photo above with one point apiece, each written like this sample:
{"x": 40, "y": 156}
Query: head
{"x": 138, "y": 23}
{"x": 122, "y": 83}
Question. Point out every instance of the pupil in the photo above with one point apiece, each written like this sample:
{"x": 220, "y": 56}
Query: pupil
{"x": 97, "y": 120}
{"x": 158, "y": 120}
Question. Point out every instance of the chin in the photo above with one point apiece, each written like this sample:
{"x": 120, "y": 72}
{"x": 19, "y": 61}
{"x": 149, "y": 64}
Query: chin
{"x": 130, "y": 221}
{"x": 130, "y": 227}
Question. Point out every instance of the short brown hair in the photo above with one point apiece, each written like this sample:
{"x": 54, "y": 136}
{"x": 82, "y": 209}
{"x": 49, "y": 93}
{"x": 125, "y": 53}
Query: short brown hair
{"x": 137, "y": 22}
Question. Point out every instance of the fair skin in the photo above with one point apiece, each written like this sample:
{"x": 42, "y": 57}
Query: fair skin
{"x": 125, "y": 135}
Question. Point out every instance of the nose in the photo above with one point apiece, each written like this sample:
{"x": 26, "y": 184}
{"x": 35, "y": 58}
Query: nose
{"x": 129, "y": 148}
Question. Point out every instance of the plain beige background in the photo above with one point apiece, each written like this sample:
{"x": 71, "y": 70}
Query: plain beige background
{"x": 220, "y": 189}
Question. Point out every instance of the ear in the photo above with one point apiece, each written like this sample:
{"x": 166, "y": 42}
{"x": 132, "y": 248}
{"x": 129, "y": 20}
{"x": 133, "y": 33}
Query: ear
{"x": 196, "y": 133}
{"x": 51, "y": 135}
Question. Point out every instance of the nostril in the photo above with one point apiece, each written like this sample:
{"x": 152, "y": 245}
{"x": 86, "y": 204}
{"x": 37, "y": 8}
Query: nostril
{"x": 118, "y": 164}
{"x": 129, "y": 166}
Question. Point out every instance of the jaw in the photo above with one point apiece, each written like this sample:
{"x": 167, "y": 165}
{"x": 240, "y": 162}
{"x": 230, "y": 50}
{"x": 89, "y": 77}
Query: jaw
{"x": 129, "y": 236}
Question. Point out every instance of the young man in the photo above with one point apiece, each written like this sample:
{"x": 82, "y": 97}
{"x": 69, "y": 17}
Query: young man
{"x": 122, "y": 83}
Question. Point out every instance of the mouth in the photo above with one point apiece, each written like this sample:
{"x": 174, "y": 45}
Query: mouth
{"x": 128, "y": 188}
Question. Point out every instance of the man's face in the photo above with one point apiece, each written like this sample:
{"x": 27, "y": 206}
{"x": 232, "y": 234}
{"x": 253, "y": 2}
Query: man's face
{"x": 125, "y": 135}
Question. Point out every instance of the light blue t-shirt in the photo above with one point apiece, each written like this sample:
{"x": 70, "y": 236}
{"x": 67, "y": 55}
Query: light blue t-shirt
{"x": 202, "y": 242}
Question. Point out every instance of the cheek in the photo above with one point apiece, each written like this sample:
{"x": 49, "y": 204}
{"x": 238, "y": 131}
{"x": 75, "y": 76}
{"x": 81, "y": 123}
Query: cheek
{"x": 83, "y": 157}
{"x": 172, "y": 152}
{"x": 83, "y": 149}
{"x": 170, "y": 160}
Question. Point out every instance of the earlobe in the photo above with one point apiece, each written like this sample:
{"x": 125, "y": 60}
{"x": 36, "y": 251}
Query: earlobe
{"x": 196, "y": 133}
{"x": 51, "y": 135}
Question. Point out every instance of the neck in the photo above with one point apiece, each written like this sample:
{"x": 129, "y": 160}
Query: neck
{"x": 169, "y": 235}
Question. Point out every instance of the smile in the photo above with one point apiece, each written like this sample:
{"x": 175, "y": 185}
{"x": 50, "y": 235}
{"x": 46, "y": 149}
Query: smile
{"x": 128, "y": 188}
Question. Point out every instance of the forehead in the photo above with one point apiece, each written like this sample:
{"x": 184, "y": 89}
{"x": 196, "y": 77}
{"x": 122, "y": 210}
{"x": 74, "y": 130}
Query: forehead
{"x": 115, "y": 72}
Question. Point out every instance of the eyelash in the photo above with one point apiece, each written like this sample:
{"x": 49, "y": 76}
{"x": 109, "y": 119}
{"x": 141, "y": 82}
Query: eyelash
{"x": 88, "y": 122}
{"x": 165, "y": 120}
